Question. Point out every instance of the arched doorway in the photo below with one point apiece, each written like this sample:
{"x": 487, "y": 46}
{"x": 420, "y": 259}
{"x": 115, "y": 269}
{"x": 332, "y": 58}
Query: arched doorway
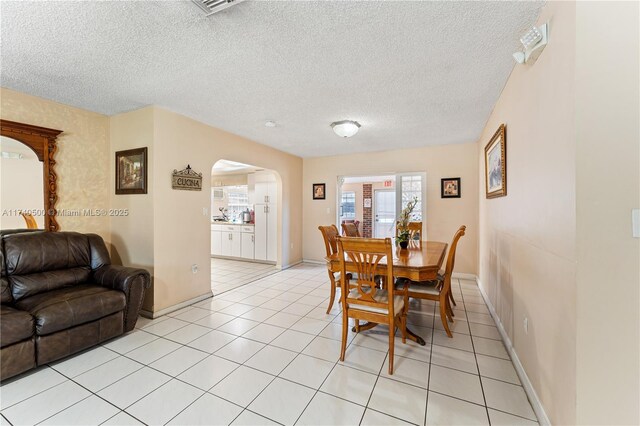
{"x": 245, "y": 224}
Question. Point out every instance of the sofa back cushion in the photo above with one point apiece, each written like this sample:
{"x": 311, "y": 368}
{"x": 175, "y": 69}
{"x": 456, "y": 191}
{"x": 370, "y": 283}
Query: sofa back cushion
{"x": 5, "y": 289}
{"x": 39, "y": 262}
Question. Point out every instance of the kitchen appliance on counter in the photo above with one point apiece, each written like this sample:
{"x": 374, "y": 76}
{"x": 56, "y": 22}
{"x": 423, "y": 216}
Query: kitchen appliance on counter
{"x": 246, "y": 216}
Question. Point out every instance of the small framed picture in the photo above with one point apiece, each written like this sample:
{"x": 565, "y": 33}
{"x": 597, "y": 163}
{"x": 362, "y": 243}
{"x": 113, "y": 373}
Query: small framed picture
{"x": 495, "y": 164}
{"x": 450, "y": 188}
{"x": 131, "y": 171}
{"x": 319, "y": 191}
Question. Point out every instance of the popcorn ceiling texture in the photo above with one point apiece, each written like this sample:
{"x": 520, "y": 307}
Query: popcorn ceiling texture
{"x": 82, "y": 159}
{"x": 412, "y": 73}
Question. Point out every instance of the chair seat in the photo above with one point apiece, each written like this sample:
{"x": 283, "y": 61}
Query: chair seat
{"x": 15, "y": 325}
{"x": 70, "y": 306}
{"x": 424, "y": 287}
{"x": 380, "y": 296}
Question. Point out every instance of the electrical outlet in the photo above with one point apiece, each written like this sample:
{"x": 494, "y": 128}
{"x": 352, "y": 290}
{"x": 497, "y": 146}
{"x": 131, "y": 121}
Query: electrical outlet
{"x": 194, "y": 268}
{"x": 205, "y": 211}
{"x": 635, "y": 223}
{"x": 328, "y": 210}
{"x": 291, "y": 246}
{"x": 526, "y": 325}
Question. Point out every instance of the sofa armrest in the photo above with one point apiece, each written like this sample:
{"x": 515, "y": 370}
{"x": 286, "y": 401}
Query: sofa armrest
{"x": 132, "y": 282}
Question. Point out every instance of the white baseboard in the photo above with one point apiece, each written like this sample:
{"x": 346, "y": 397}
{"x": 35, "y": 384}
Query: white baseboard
{"x": 315, "y": 262}
{"x": 536, "y": 404}
{"x": 464, "y": 276}
{"x": 165, "y": 311}
{"x": 290, "y": 265}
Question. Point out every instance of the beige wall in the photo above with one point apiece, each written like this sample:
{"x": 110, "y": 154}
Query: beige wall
{"x": 82, "y": 160}
{"x": 181, "y": 230}
{"x": 527, "y": 250}
{"x": 132, "y": 234}
{"x": 608, "y": 187}
{"x": 444, "y": 216}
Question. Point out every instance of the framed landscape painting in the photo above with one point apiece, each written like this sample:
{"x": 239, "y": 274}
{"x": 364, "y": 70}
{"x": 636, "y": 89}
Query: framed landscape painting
{"x": 131, "y": 171}
{"x": 495, "y": 164}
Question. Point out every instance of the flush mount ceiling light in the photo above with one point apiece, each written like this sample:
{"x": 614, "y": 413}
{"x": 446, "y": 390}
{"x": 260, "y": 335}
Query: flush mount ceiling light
{"x": 345, "y": 128}
{"x": 214, "y": 6}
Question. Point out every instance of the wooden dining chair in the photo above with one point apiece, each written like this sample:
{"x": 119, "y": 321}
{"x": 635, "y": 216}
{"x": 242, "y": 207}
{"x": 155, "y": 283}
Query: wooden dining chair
{"x": 329, "y": 234}
{"x": 415, "y": 230}
{"x": 438, "y": 290}
{"x": 30, "y": 220}
{"x": 350, "y": 229}
{"x": 365, "y": 301}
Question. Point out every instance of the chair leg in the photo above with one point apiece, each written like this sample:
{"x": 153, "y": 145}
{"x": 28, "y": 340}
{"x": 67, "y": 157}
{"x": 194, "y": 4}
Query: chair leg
{"x": 392, "y": 335}
{"x": 333, "y": 292}
{"x": 345, "y": 327}
{"x": 443, "y": 317}
{"x": 357, "y": 326}
{"x": 450, "y": 313}
{"x": 403, "y": 327}
{"x": 451, "y": 298}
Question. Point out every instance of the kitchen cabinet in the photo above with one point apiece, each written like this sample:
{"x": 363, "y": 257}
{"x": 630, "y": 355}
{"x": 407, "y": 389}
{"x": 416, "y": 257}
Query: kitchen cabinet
{"x": 216, "y": 242}
{"x": 266, "y": 232}
{"x": 265, "y": 192}
{"x": 248, "y": 246}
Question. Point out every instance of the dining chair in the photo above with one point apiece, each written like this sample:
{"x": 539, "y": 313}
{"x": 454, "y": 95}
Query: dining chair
{"x": 30, "y": 220}
{"x": 438, "y": 290}
{"x": 350, "y": 229}
{"x": 365, "y": 301}
{"x": 329, "y": 234}
{"x": 415, "y": 230}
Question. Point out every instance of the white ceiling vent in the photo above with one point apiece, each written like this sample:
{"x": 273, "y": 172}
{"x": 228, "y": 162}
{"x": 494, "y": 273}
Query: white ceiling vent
{"x": 213, "y": 6}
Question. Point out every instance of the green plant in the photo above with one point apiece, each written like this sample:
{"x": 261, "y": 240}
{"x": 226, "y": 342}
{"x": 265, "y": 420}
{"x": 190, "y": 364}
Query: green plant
{"x": 404, "y": 219}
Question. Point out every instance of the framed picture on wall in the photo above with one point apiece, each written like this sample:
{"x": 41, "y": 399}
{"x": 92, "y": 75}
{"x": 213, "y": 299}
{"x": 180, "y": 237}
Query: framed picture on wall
{"x": 131, "y": 171}
{"x": 495, "y": 164}
{"x": 319, "y": 191}
{"x": 450, "y": 188}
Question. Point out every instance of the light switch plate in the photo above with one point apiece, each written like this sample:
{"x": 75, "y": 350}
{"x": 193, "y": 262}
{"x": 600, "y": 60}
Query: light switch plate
{"x": 635, "y": 222}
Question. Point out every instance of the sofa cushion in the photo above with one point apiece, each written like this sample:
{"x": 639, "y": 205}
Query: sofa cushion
{"x": 29, "y": 253}
{"x": 71, "y": 306}
{"x": 15, "y": 325}
{"x": 29, "y": 285}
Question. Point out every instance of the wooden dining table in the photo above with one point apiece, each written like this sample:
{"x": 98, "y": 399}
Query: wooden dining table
{"x": 420, "y": 261}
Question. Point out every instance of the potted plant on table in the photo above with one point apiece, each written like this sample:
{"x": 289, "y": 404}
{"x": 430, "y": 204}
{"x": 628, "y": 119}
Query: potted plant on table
{"x": 403, "y": 233}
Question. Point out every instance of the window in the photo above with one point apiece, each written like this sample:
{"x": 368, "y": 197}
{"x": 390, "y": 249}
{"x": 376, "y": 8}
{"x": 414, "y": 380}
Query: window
{"x": 412, "y": 188}
{"x": 348, "y": 205}
{"x": 237, "y": 200}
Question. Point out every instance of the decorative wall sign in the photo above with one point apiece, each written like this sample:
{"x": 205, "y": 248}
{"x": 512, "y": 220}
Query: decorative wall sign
{"x": 319, "y": 191}
{"x": 495, "y": 164}
{"x": 186, "y": 179}
{"x": 131, "y": 171}
{"x": 450, "y": 188}
{"x": 367, "y": 203}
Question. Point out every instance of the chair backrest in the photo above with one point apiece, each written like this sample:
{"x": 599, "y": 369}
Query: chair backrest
{"x": 329, "y": 234}
{"x": 414, "y": 228}
{"x": 30, "y": 220}
{"x": 451, "y": 258}
{"x": 366, "y": 254}
{"x": 350, "y": 230}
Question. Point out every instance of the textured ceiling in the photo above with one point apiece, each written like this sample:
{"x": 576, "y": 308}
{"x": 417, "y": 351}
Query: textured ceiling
{"x": 412, "y": 73}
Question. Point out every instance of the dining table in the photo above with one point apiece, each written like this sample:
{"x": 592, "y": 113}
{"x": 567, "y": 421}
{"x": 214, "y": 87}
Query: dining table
{"x": 420, "y": 261}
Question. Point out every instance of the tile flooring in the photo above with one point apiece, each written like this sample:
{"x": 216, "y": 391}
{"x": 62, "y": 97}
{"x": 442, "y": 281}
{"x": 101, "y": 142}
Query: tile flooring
{"x": 227, "y": 274}
{"x": 266, "y": 353}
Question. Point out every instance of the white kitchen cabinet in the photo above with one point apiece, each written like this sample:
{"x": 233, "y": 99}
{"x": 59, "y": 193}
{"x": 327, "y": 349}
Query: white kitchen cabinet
{"x": 266, "y": 232}
{"x": 248, "y": 246}
{"x": 265, "y": 192}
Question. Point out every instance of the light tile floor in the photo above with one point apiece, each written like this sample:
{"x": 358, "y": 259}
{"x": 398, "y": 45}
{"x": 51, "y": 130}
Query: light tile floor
{"x": 254, "y": 356}
{"x": 227, "y": 274}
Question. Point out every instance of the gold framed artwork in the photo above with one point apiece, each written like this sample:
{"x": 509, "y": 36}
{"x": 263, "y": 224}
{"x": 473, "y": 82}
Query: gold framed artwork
{"x": 495, "y": 164}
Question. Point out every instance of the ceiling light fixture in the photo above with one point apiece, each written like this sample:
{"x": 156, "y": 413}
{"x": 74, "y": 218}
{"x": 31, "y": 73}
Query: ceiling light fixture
{"x": 533, "y": 43}
{"x": 270, "y": 123}
{"x": 345, "y": 128}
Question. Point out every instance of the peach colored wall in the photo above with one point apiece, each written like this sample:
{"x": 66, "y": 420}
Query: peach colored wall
{"x": 181, "y": 231}
{"x": 527, "y": 252}
{"x": 444, "y": 216}
{"x": 132, "y": 235}
{"x": 82, "y": 158}
{"x": 608, "y": 187}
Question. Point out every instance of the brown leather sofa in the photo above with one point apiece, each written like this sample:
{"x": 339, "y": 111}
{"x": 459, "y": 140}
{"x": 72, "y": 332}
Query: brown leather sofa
{"x": 60, "y": 295}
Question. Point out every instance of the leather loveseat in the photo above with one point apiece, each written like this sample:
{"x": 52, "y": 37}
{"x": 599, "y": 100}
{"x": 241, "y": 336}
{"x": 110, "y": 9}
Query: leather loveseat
{"x": 60, "y": 295}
